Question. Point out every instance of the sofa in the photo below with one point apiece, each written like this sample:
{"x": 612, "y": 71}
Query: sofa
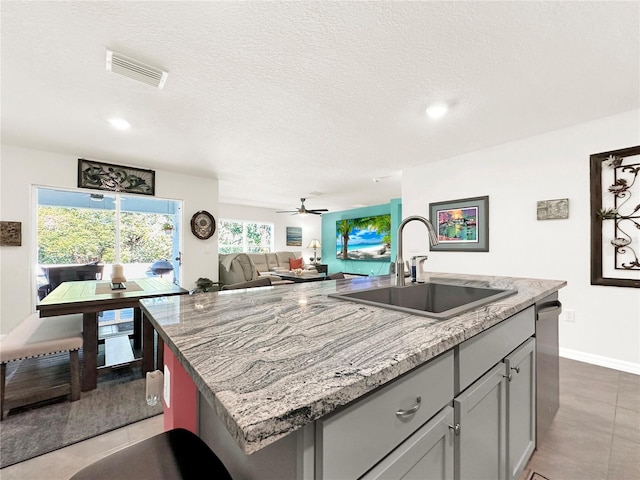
{"x": 245, "y": 267}
{"x": 279, "y": 262}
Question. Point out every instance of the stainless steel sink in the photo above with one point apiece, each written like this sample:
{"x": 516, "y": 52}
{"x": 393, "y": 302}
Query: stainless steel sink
{"x": 435, "y": 300}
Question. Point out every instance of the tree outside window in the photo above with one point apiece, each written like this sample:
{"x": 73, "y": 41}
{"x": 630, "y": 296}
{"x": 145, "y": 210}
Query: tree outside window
{"x": 236, "y": 236}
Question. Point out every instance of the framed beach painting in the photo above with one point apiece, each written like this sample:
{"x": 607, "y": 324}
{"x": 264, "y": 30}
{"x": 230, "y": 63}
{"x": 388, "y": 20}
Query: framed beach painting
{"x": 364, "y": 238}
{"x": 462, "y": 225}
{"x": 294, "y": 236}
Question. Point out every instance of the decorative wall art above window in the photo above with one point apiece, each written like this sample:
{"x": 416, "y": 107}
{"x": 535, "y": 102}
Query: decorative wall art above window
{"x": 115, "y": 178}
{"x": 615, "y": 218}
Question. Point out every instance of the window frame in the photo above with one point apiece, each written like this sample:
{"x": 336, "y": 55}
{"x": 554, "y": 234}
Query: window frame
{"x": 245, "y": 240}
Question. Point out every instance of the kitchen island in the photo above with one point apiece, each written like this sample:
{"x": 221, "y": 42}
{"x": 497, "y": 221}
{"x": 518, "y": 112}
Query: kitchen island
{"x": 270, "y": 363}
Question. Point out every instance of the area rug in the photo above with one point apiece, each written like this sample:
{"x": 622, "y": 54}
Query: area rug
{"x": 119, "y": 400}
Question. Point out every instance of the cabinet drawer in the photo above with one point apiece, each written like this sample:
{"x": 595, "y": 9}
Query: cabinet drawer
{"x": 428, "y": 453}
{"x": 478, "y": 354}
{"x": 351, "y": 441}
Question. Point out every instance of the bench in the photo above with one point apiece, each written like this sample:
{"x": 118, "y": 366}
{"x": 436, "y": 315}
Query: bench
{"x": 36, "y": 337}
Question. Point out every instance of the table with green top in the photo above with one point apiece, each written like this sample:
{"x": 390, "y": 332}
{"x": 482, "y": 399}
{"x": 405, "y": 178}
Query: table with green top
{"x": 90, "y": 297}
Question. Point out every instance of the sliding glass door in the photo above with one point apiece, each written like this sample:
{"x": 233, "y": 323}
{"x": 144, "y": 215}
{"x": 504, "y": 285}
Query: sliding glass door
{"x": 76, "y": 229}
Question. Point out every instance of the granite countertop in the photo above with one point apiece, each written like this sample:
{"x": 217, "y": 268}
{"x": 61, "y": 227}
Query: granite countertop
{"x": 270, "y": 360}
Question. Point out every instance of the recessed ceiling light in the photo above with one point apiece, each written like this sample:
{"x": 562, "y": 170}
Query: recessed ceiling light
{"x": 119, "y": 123}
{"x": 437, "y": 110}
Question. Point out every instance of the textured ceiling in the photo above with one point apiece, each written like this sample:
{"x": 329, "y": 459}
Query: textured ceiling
{"x": 282, "y": 100}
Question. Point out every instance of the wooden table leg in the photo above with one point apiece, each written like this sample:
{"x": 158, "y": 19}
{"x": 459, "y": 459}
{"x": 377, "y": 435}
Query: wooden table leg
{"x": 160, "y": 362}
{"x": 137, "y": 327}
{"x": 147, "y": 346}
{"x": 90, "y": 351}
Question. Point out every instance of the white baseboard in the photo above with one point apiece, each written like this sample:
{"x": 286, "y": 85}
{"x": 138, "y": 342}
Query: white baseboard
{"x": 601, "y": 361}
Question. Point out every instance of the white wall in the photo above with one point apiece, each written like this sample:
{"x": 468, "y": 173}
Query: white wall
{"x": 311, "y": 225}
{"x": 515, "y": 176}
{"x": 21, "y": 169}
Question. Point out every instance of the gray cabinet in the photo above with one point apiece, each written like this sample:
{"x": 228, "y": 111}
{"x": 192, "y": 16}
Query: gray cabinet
{"x": 428, "y": 453}
{"x": 495, "y": 414}
{"x": 352, "y": 440}
{"x": 521, "y": 407}
{"x": 480, "y": 446}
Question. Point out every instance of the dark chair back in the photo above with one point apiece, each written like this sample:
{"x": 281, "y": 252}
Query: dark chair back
{"x": 260, "y": 282}
{"x": 68, "y": 273}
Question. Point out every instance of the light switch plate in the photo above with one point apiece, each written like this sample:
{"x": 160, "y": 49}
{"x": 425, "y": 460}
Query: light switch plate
{"x": 167, "y": 387}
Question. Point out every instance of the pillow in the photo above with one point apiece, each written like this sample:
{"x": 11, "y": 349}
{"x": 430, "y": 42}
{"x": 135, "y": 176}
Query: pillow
{"x": 295, "y": 263}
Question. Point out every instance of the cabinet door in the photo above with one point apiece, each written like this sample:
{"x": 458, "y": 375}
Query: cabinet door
{"x": 521, "y": 407}
{"x": 427, "y": 454}
{"x": 480, "y": 413}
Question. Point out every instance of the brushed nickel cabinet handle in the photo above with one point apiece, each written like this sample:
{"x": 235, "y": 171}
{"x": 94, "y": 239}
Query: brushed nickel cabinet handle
{"x": 410, "y": 411}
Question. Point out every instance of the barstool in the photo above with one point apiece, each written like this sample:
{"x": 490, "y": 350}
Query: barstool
{"x": 171, "y": 455}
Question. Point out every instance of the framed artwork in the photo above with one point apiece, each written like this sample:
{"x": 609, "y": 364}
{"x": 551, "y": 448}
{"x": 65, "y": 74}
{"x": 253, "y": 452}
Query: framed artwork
{"x": 615, "y": 217}
{"x": 115, "y": 178}
{"x": 462, "y": 225}
{"x": 294, "y": 236}
{"x": 11, "y": 234}
{"x": 553, "y": 209}
{"x": 364, "y": 238}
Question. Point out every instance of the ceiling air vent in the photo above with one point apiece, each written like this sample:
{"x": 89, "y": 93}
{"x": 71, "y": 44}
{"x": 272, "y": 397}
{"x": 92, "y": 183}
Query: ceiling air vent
{"x": 118, "y": 63}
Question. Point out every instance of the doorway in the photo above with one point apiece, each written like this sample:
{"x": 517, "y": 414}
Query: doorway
{"x": 77, "y": 228}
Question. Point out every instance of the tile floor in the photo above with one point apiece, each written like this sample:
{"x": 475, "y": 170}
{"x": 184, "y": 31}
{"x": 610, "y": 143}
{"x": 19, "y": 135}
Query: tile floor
{"x": 596, "y": 432}
{"x": 595, "y": 435}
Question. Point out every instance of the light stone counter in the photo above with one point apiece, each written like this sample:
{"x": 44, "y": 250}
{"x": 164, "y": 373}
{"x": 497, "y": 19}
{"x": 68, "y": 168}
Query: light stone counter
{"x": 270, "y": 360}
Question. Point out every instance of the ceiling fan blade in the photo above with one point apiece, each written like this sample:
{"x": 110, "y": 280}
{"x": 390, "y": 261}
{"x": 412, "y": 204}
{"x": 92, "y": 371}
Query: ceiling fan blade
{"x": 288, "y": 211}
{"x": 314, "y": 210}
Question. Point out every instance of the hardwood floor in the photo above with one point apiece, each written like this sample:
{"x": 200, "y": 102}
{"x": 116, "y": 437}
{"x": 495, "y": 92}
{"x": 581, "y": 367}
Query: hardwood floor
{"x": 595, "y": 435}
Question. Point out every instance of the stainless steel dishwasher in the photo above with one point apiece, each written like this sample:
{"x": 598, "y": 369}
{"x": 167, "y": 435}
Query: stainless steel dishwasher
{"x": 547, "y": 363}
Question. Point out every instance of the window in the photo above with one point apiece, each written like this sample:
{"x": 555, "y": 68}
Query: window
{"x": 236, "y": 236}
{"x": 76, "y": 228}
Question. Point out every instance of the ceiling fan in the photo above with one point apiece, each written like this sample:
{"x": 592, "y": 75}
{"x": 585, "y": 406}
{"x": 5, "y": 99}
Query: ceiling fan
{"x": 304, "y": 211}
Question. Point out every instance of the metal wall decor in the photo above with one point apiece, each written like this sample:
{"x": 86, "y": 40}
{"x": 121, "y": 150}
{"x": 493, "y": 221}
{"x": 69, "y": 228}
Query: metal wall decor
{"x": 115, "y": 178}
{"x": 615, "y": 218}
{"x": 553, "y": 209}
{"x": 11, "y": 234}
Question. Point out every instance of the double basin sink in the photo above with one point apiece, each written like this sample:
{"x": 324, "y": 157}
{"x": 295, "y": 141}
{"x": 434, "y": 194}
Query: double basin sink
{"x": 435, "y": 300}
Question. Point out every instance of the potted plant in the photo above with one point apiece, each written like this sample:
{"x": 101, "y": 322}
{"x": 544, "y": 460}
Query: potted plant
{"x": 205, "y": 285}
{"x": 167, "y": 227}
